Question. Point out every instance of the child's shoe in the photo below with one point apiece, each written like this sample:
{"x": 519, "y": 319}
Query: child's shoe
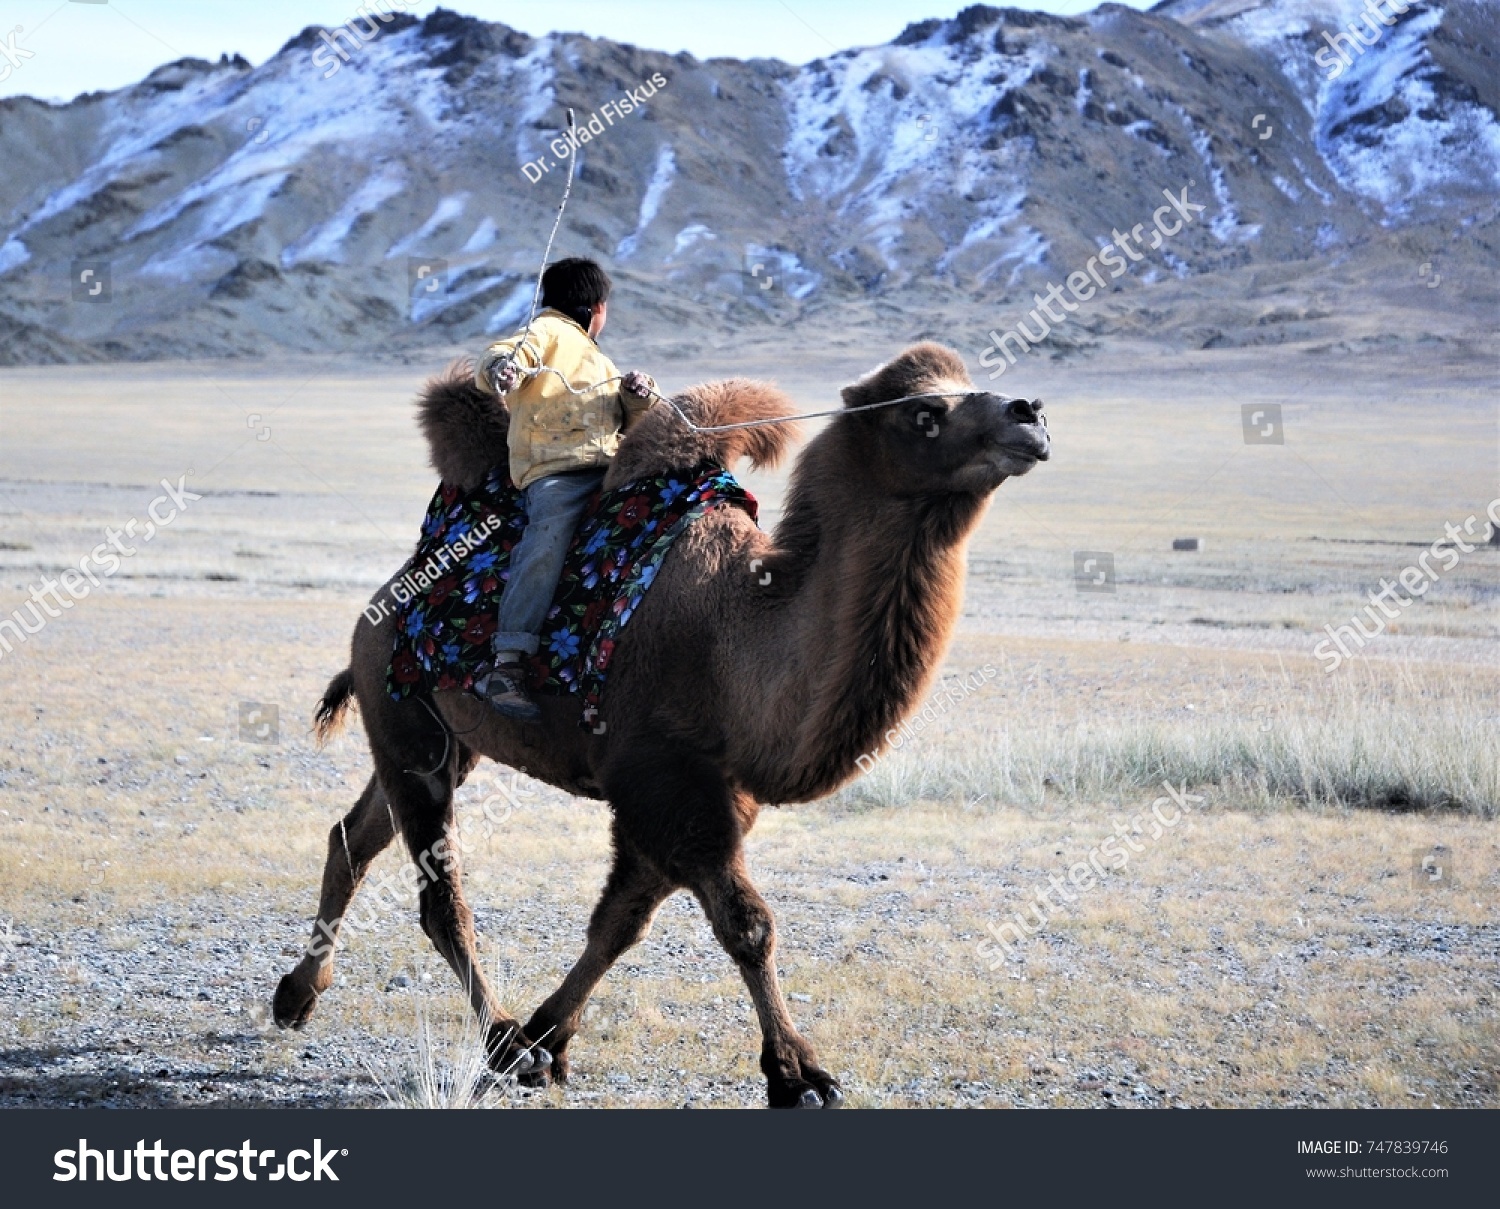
{"x": 503, "y": 685}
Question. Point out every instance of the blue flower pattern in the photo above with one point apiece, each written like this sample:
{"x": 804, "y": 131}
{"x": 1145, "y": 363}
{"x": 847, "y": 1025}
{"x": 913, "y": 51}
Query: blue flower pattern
{"x": 440, "y": 644}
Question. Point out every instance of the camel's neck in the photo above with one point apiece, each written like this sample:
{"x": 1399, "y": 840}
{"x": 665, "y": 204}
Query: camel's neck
{"x": 875, "y": 587}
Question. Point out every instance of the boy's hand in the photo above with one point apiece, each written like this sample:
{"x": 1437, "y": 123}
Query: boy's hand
{"x": 638, "y": 384}
{"x": 505, "y": 377}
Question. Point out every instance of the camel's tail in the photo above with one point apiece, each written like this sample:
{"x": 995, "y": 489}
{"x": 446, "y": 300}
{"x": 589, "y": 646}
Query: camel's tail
{"x": 335, "y": 704}
{"x": 661, "y": 442}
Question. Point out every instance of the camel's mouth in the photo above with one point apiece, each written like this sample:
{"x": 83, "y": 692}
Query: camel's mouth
{"x": 1027, "y": 453}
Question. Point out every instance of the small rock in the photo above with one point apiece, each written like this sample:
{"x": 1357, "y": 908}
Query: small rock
{"x": 799, "y": 997}
{"x": 399, "y": 981}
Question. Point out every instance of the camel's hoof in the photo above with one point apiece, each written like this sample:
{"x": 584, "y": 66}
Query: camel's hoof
{"x": 294, "y": 1003}
{"x": 833, "y": 1098}
{"x": 809, "y": 1099}
{"x": 532, "y": 1062}
{"x": 550, "y": 1069}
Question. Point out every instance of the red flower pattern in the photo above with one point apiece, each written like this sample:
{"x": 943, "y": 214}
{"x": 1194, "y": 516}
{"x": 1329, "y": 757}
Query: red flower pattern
{"x": 594, "y": 601}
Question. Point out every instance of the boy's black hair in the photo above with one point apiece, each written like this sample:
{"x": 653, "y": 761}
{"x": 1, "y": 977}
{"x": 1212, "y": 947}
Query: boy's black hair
{"x": 575, "y": 286}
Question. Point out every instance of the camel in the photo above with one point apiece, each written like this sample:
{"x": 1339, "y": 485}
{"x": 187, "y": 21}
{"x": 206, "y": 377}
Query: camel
{"x": 756, "y": 671}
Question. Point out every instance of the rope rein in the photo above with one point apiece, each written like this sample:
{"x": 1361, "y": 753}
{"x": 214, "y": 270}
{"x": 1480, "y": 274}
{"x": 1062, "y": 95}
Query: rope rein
{"x": 810, "y": 415}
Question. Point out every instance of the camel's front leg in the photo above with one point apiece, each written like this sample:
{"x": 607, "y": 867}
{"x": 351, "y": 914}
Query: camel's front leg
{"x": 622, "y": 918}
{"x": 743, "y": 923}
{"x": 679, "y": 813}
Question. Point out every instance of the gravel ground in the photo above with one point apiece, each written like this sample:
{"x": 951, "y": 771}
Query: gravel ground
{"x": 1231, "y": 967}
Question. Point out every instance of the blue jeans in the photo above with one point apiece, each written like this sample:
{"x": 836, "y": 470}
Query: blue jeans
{"x": 553, "y": 506}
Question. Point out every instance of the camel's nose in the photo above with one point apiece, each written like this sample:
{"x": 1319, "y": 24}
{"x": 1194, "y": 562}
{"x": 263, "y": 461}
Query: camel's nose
{"x": 1024, "y": 411}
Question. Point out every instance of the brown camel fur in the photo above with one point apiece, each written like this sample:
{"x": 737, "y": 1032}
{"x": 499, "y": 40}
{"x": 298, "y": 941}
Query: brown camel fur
{"x": 756, "y": 671}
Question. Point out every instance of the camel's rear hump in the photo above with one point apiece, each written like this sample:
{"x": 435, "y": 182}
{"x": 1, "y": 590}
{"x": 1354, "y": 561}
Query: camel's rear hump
{"x": 662, "y": 442}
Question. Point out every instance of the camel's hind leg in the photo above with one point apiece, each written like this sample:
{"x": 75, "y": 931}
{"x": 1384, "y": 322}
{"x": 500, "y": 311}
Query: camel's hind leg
{"x": 423, "y": 803}
{"x": 353, "y": 844}
{"x": 632, "y": 894}
{"x": 356, "y": 840}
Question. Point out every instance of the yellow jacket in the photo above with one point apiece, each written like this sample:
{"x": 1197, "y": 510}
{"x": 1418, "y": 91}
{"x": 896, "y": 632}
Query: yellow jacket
{"x": 551, "y": 430}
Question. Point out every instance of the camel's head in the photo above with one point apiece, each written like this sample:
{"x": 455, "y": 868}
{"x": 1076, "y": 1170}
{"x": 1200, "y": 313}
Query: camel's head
{"x": 955, "y": 439}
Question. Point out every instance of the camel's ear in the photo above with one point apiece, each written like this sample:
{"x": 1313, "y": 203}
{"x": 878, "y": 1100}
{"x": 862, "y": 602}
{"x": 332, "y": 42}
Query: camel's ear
{"x": 921, "y": 368}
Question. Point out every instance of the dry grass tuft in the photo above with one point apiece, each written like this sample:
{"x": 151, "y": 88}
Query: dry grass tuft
{"x": 1398, "y": 737}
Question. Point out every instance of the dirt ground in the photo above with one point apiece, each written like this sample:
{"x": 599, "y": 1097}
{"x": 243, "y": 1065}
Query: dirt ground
{"x": 163, "y": 810}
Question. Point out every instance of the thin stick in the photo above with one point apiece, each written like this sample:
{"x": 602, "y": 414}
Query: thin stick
{"x": 536, "y": 294}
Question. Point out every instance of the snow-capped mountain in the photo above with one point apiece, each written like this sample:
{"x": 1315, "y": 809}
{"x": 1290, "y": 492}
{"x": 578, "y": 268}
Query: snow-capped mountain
{"x": 391, "y": 184}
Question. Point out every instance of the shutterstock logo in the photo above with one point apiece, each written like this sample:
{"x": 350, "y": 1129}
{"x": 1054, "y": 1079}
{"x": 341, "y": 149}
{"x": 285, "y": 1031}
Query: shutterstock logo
{"x": 246, "y": 1163}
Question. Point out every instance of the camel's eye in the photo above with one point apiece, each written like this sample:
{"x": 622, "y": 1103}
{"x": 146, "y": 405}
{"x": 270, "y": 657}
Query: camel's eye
{"x": 929, "y": 421}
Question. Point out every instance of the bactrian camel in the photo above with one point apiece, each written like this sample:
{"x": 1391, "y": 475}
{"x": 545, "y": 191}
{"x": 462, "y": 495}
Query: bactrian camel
{"x": 757, "y": 670}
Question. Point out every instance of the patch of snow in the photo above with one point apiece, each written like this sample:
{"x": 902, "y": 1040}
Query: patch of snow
{"x": 533, "y": 81}
{"x": 325, "y": 241}
{"x": 662, "y": 176}
{"x": 1225, "y": 221}
{"x": 484, "y": 236}
{"x": 191, "y": 259}
{"x": 131, "y": 128}
{"x": 427, "y": 306}
{"x": 689, "y": 236}
{"x": 1394, "y": 160}
{"x": 13, "y": 254}
{"x": 449, "y": 210}
{"x": 1139, "y": 130}
{"x": 979, "y": 232}
{"x": 884, "y": 221}
{"x": 1178, "y": 266}
{"x": 1323, "y": 194}
{"x": 797, "y": 281}
{"x": 1021, "y": 247}
{"x": 1028, "y": 250}
{"x": 298, "y": 114}
{"x": 512, "y": 312}
{"x": 195, "y": 263}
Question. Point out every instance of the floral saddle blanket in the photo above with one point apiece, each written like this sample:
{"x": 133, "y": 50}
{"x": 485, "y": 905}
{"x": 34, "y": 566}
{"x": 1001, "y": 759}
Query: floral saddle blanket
{"x": 448, "y": 594}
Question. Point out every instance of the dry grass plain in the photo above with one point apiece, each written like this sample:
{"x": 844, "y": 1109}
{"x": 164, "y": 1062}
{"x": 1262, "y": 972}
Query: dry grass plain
{"x": 1276, "y": 948}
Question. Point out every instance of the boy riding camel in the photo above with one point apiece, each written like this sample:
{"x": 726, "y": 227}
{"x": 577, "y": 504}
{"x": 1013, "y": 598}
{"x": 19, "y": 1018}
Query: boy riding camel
{"x": 569, "y": 406}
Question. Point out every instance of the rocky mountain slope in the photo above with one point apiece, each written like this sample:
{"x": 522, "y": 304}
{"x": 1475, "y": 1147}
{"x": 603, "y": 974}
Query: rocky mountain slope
{"x": 390, "y": 187}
